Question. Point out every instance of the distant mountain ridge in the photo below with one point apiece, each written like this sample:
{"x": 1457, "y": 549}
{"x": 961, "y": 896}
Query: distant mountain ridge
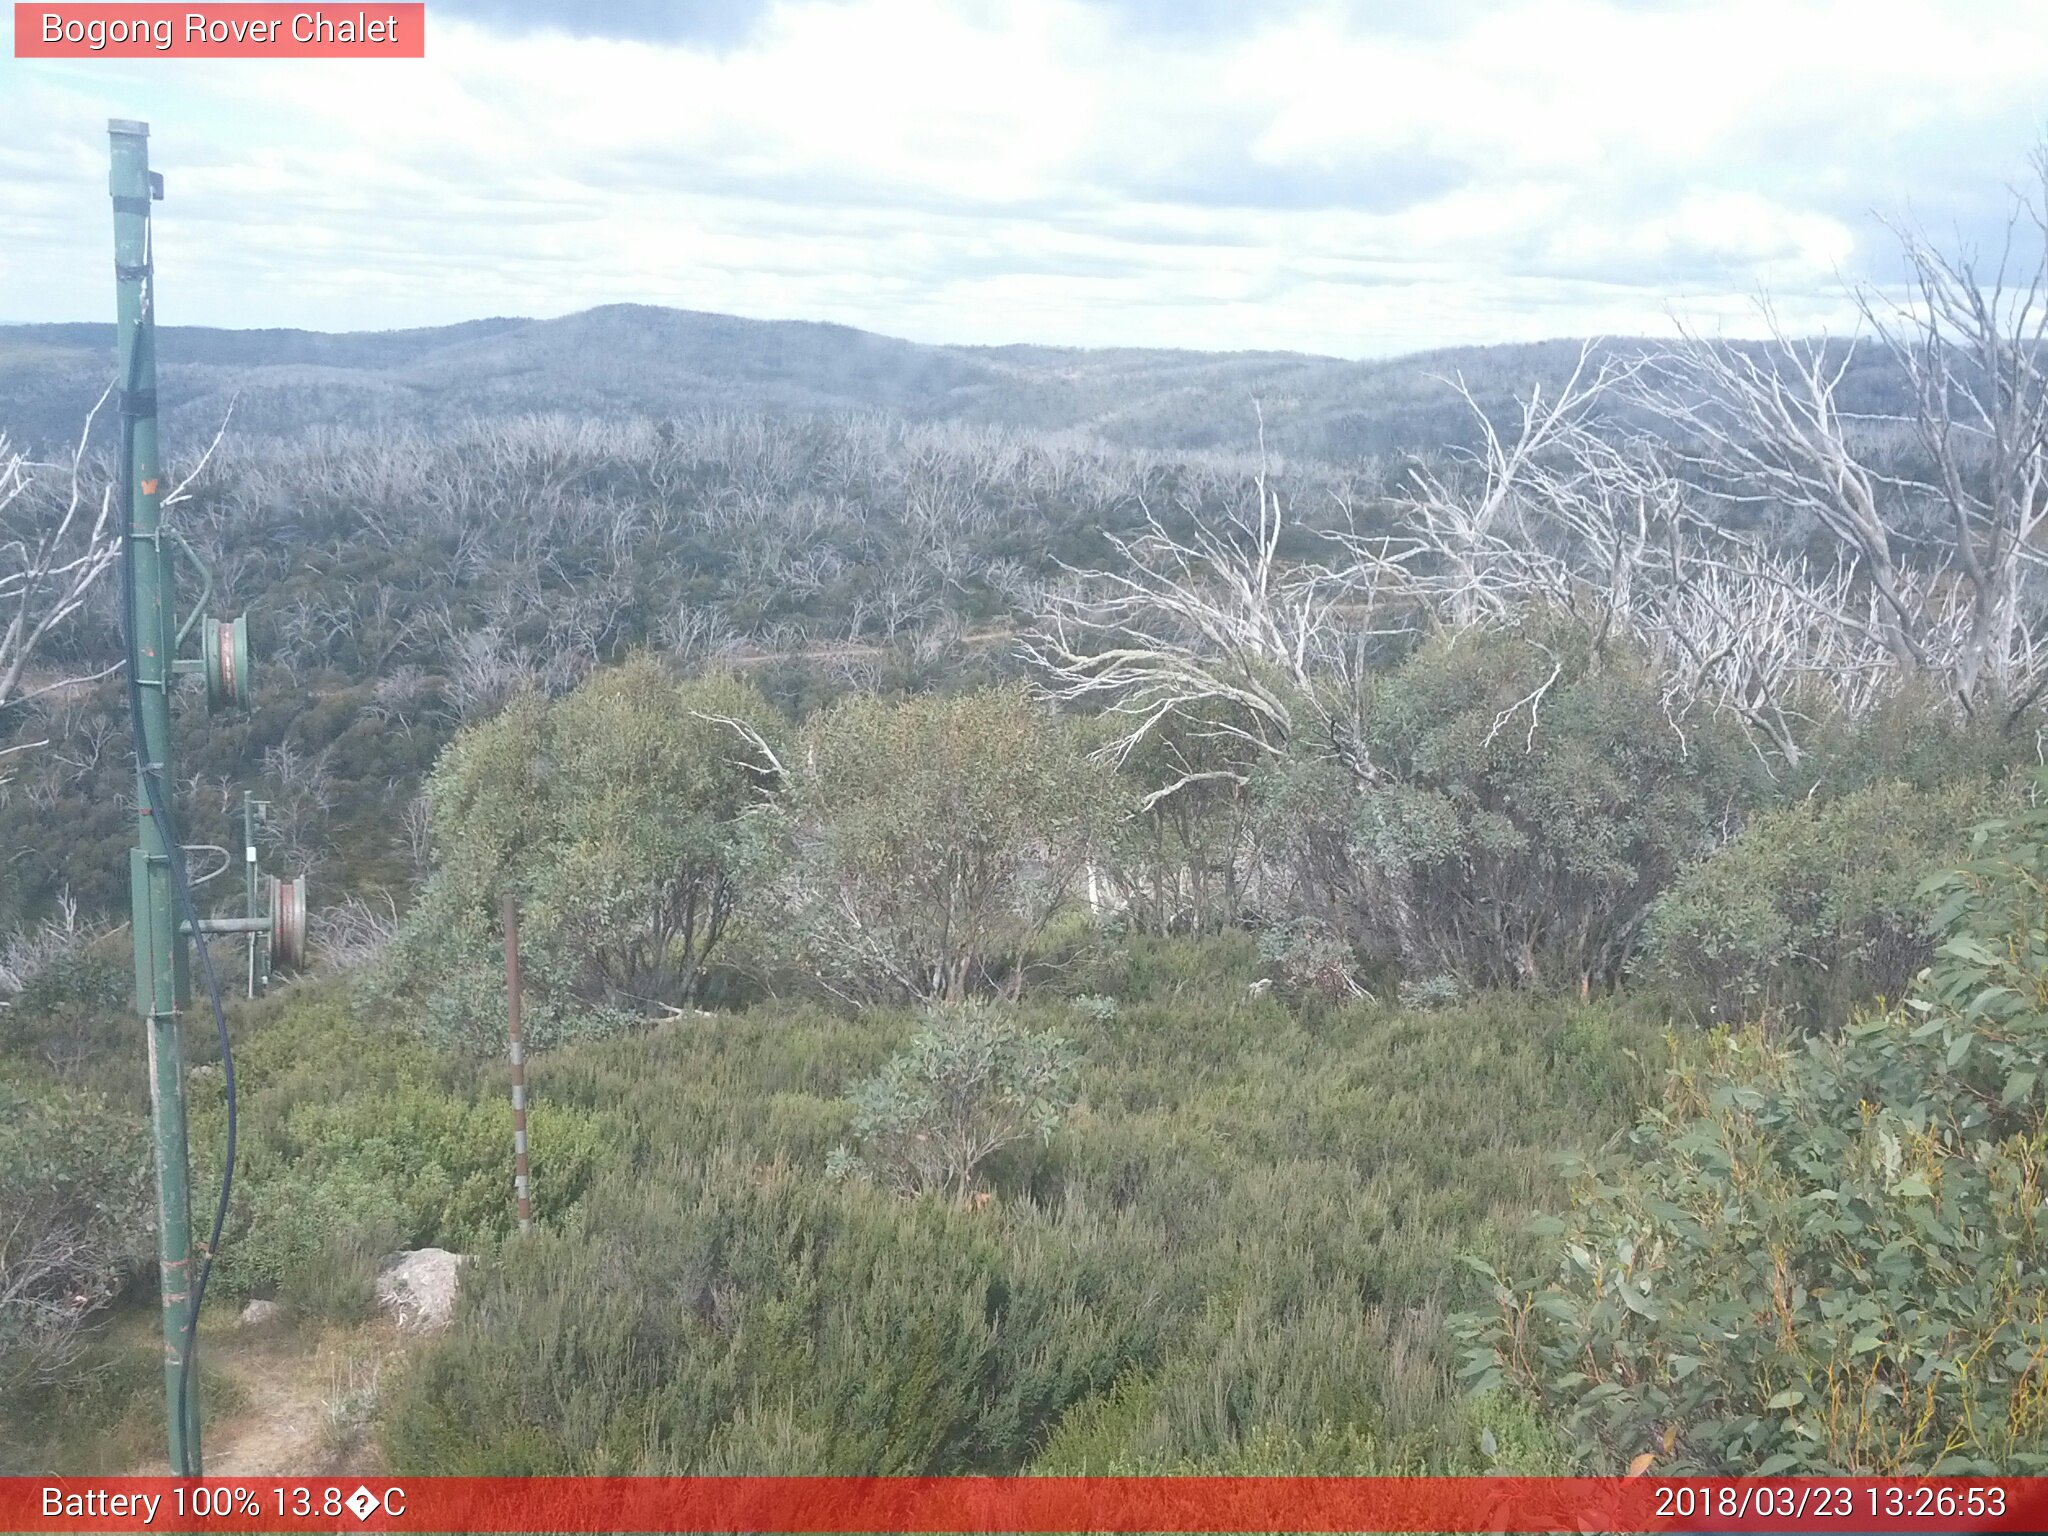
{"x": 647, "y": 361}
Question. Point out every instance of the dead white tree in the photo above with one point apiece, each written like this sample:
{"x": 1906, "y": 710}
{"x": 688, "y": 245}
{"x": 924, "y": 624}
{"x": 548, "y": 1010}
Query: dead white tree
{"x": 1558, "y": 516}
{"x": 1269, "y": 648}
{"x": 1765, "y": 427}
{"x": 1603, "y": 531}
{"x": 53, "y": 550}
{"x": 486, "y": 668}
{"x": 1482, "y": 552}
{"x": 1962, "y": 603}
{"x": 1579, "y": 520}
{"x": 1558, "y": 513}
{"x": 415, "y": 836}
{"x": 1755, "y": 633}
{"x": 1217, "y": 627}
{"x": 1969, "y": 342}
{"x": 356, "y": 932}
{"x": 28, "y": 952}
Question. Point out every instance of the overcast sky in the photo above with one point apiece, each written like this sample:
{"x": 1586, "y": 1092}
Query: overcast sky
{"x": 1347, "y": 178}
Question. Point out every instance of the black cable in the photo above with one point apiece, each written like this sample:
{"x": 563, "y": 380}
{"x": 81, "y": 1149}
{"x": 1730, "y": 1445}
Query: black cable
{"x": 150, "y": 775}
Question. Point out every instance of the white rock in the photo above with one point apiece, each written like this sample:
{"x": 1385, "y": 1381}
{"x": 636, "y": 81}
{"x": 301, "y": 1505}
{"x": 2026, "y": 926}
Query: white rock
{"x": 418, "y": 1287}
{"x": 257, "y": 1313}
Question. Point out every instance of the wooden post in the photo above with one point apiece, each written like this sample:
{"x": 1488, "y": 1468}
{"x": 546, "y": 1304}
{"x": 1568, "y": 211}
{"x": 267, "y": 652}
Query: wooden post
{"x": 522, "y": 1184}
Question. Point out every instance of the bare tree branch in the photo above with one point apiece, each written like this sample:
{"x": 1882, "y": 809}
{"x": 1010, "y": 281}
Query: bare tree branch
{"x": 51, "y": 554}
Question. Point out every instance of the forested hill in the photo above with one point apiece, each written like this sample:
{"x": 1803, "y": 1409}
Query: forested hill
{"x": 646, "y": 361}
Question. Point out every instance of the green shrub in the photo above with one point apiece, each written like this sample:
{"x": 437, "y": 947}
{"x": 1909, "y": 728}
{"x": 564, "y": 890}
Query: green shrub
{"x": 75, "y": 1014}
{"x": 75, "y": 1223}
{"x": 1911, "y": 735}
{"x": 339, "y": 1283}
{"x": 1148, "y": 969}
{"x": 929, "y": 842}
{"x": 1424, "y": 993}
{"x": 1180, "y": 861}
{"x": 617, "y": 815}
{"x": 1307, "y": 958}
{"x": 1827, "y": 1256}
{"x": 355, "y": 1142}
{"x": 1528, "y": 800}
{"x": 90, "y": 977}
{"x": 971, "y": 1083}
{"x": 1256, "y": 1212}
{"x": 1813, "y": 908}
{"x": 726, "y": 1315}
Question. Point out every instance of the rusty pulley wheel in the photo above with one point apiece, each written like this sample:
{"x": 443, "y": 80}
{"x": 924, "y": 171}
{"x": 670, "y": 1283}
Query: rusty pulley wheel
{"x": 288, "y": 923}
{"x": 226, "y": 643}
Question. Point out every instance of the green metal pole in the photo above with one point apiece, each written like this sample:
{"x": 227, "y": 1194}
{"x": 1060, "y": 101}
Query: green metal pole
{"x": 151, "y": 618}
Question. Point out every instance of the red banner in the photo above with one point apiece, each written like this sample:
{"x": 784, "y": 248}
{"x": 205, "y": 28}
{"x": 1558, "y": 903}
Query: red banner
{"x": 238, "y": 30}
{"x": 1023, "y": 1504}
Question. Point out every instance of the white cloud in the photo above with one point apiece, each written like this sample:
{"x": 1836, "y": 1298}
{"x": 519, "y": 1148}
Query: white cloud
{"x": 1306, "y": 176}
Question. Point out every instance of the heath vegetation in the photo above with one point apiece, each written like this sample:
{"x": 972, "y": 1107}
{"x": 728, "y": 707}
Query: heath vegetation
{"x": 1050, "y": 951}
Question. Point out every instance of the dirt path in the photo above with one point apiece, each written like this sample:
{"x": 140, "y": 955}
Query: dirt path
{"x": 302, "y": 1403}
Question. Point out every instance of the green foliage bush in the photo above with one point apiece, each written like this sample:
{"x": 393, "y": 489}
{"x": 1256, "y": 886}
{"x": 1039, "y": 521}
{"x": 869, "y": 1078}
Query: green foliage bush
{"x": 617, "y": 817}
{"x": 1307, "y": 958}
{"x": 75, "y": 1222}
{"x": 338, "y": 1283}
{"x": 355, "y": 1142}
{"x": 1826, "y": 1256}
{"x": 930, "y": 841}
{"x": 714, "y": 1312}
{"x": 971, "y": 1083}
{"x": 1910, "y": 735}
{"x": 74, "y": 1017}
{"x": 1813, "y": 908}
{"x": 89, "y": 978}
{"x": 1532, "y": 799}
{"x": 1181, "y": 861}
{"x": 1154, "y": 969}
